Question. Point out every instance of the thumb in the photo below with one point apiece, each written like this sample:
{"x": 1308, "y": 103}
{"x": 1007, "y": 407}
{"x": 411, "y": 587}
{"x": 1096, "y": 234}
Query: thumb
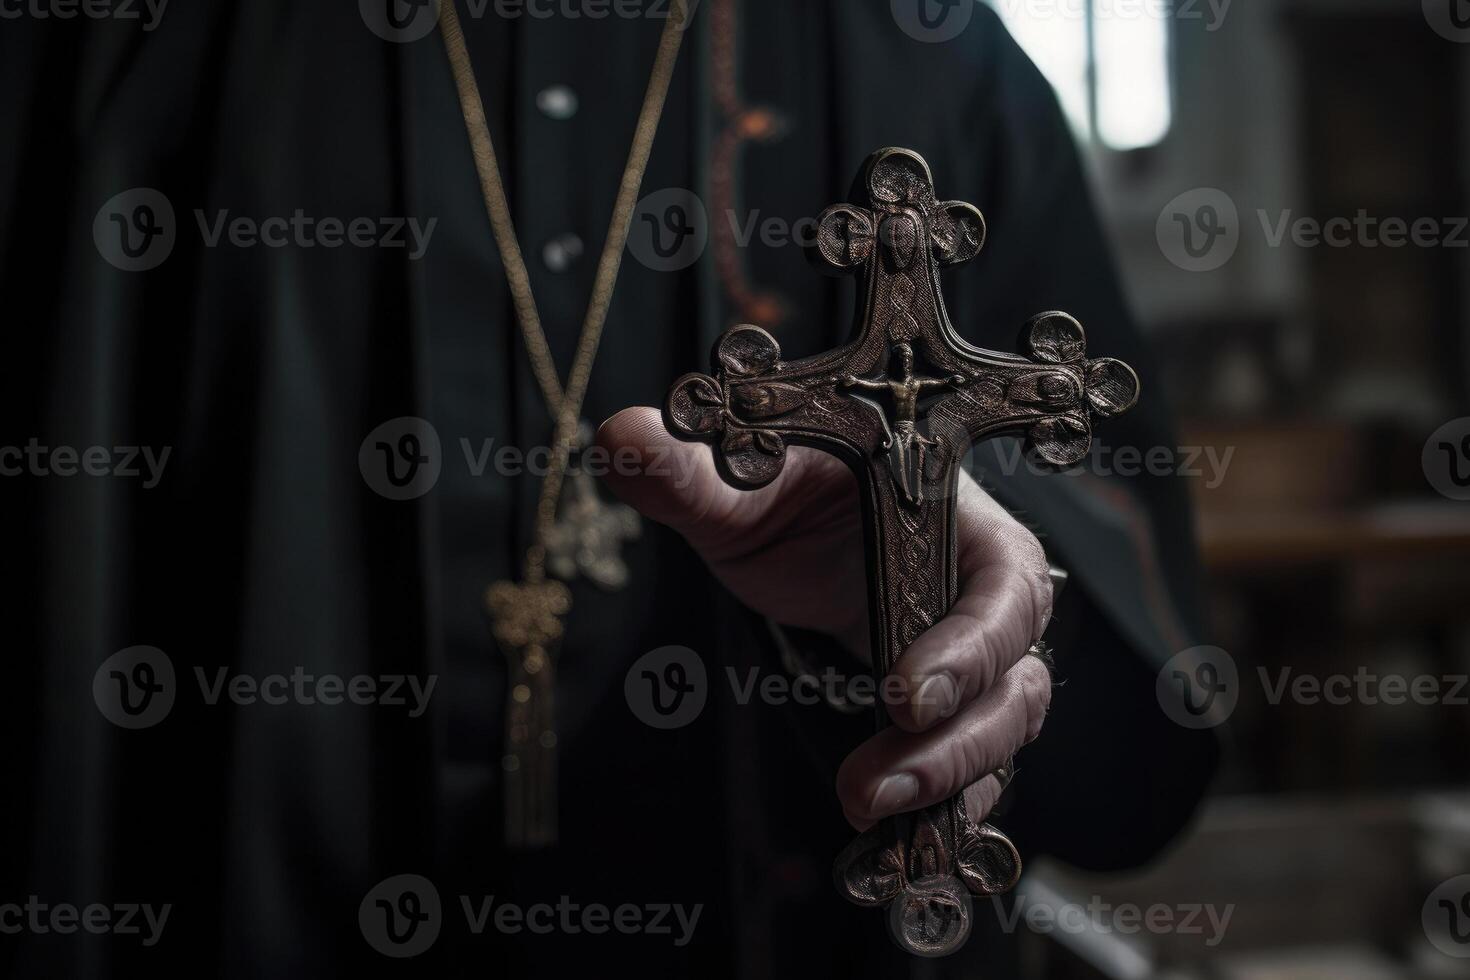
{"x": 664, "y": 478}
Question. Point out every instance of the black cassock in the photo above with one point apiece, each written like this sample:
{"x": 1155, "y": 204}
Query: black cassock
{"x": 263, "y": 550}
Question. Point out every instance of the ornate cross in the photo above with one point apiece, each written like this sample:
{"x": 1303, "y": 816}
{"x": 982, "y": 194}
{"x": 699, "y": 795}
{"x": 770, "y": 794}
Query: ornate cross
{"x": 904, "y": 432}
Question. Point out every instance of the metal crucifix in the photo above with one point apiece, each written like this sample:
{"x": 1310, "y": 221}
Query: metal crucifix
{"x": 904, "y": 433}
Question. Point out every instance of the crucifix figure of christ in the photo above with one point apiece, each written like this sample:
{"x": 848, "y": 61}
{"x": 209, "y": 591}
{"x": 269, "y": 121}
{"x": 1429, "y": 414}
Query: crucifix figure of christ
{"x": 905, "y": 443}
{"x": 924, "y": 865}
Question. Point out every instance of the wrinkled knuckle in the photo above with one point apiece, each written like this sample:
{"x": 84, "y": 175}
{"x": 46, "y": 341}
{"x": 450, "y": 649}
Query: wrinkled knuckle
{"x": 1034, "y": 682}
{"x": 1025, "y": 548}
{"x": 986, "y": 666}
{"x": 1033, "y": 600}
{"x": 1045, "y": 598}
{"x": 1033, "y": 565}
{"x": 957, "y": 767}
{"x": 981, "y": 797}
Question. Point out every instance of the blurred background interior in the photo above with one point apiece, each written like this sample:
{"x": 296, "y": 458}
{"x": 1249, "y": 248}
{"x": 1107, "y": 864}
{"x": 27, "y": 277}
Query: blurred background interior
{"x": 1326, "y": 548}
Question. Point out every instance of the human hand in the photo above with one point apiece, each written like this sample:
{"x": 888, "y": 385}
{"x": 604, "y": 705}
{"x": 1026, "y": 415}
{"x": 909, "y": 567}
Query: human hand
{"x": 793, "y": 551}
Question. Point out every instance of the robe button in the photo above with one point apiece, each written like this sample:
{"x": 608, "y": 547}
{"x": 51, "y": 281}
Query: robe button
{"x": 561, "y": 252}
{"x": 557, "y": 102}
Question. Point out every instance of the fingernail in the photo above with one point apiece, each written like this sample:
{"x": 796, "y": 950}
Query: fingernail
{"x": 935, "y": 699}
{"x": 893, "y": 794}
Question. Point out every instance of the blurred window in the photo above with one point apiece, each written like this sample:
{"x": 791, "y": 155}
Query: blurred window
{"x": 1107, "y": 59}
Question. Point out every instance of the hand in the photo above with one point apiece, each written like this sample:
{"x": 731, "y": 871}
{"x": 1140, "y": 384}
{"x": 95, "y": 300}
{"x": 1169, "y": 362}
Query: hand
{"x": 793, "y": 551}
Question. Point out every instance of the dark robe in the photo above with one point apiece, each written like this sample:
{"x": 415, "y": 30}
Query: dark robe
{"x": 262, "y": 549}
